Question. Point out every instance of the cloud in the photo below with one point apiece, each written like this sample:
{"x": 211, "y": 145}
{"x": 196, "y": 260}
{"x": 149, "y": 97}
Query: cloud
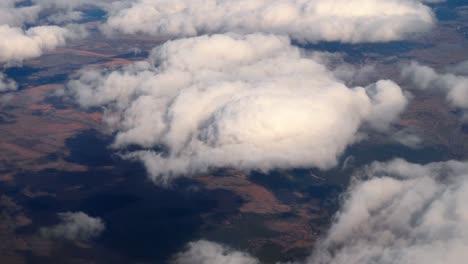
{"x": 17, "y": 14}
{"x": 12, "y": 15}
{"x": 249, "y": 102}
{"x": 205, "y": 252}
{"x": 454, "y": 83}
{"x": 66, "y": 4}
{"x": 74, "y": 227}
{"x": 408, "y": 138}
{"x": 24, "y": 35}
{"x": 348, "y": 73}
{"x": 459, "y": 69}
{"x": 400, "y": 212}
{"x": 309, "y": 21}
{"x": 7, "y": 84}
{"x": 65, "y": 11}
{"x": 393, "y": 212}
{"x": 18, "y": 44}
{"x": 65, "y": 17}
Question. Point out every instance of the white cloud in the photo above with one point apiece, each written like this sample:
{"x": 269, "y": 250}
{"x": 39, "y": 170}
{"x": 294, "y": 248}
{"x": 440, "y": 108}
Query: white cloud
{"x": 23, "y": 35}
{"x": 75, "y": 227}
{"x": 17, "y": 44}
{"x": 205, "y": 252}
{"x": 65, "y": 17}
{"x": 249, "y": 102}
{"x": 17, "y": 16}
{"x": 399, "y": 212}
{"x": 387, "y": 100}
{"x": 393, "y": 212}
{"x": 459, "y": 69}
{"x": 66, "y": 4}
{"x": 348, "y": 73}
{"x": 7, "y": 84}
{"x": 303, "y": 20}
{"x": 407, "y": 138}
{"x": 454, "y": 83}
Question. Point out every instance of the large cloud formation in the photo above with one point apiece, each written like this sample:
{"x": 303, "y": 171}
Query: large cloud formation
{"x": 23, "y": 35}
{"x": 249, "y": 102}
{"x": 303, "y": 20}
{"x": 453, "y": 83}
{"x": 393, "y": 212}
{"x": 77, "y": 226}
{"x": 11, "y": 14}
{"x": 30, "y": 28}
{"x": 399, "y": 212}
{"x": 18, "y": 44}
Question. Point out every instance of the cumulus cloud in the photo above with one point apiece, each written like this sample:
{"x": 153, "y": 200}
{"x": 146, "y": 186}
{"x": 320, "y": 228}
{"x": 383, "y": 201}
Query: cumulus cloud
{"x": 23, "y": 35}
{"x": 77, "y": 227}
{"x": 249, "y": 102}
{"x": 7, "y": 84}
{"x": 303, "y": 20}
{"x": 18, "y": 44}
{"x": 399, "y": 212}
{"x": 16, "y": 14}
{"x": 205, "y": 252}
{"x": 12, "y": 15}
{"x": 454, "y": 83}
{"x": 65, "y": 17}
{"x": 408, "y": 138}
{"x": 349, "y": 73}
{"x": 66, "y": 4}
{"x": 393, "y": 212}
{"x": 459, "y": 68}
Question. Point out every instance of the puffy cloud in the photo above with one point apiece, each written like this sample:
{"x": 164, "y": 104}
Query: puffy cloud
{"x": 454, "y": 83}
{"x": 393, "y": 212}
{"x": 21, "y": 31}
{"x": 303, "y": 20}
{"x": 459, "y": 69}
{"x": 18, "y": 44}
{"x": 249, "y": 102}
{"x": 75, "y": 227}
{"x": 348, "y": 73}
{"x": 205, "y": 252}
{"x": 7, "y": 84}
{"x": 65, "y": 4}
{"x": 387, "y": 101}
{"x": 15, "y": 15}
{"x": 65, "y": 17}
{"x": 12, "y": 15}
{"x": 399, "y": 212}
{"x": 408, "y": 138}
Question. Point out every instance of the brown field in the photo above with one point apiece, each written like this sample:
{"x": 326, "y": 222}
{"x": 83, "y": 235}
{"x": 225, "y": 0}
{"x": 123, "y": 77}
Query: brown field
{"x": 37, "y": 130}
